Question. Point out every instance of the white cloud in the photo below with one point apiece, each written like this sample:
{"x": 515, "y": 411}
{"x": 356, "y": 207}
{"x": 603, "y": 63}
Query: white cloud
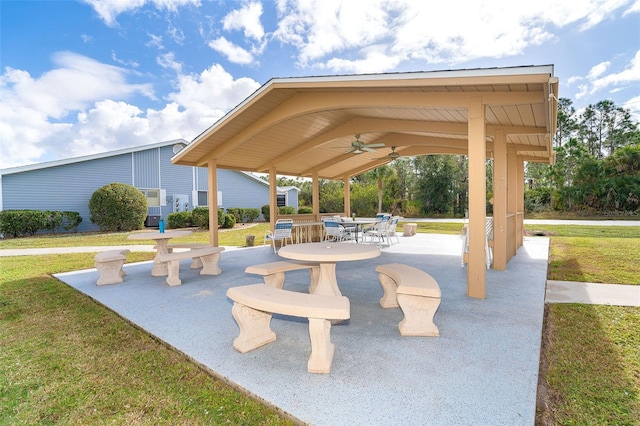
{"x": 108, "y": 10}
{"x": 630, "y": 75}
{"x": 75, "y": 83}
{"x": 232, "y": 52}
{"x": 598, "y": 70}
{"x": 79, "y": 109}
{"x": 168, "y": 60}
{"x": 247, "y": 18}
{"x": 431, "y": 32}
{"x": 633, "y": 105}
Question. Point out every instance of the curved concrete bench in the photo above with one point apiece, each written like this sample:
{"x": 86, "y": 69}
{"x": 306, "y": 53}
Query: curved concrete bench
{"x": 209, "y": 256}
{"x": 417, "y": 294}
{"x": 255, "y": 304}
{"x": 196, "y": 263}
{"x": 109, "y": 265}
{"x": 273, "y": 272}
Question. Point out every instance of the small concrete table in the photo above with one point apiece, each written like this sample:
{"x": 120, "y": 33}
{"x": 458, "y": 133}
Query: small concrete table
{"x": 327, "y": 254}
{"x": 162, "y": 240}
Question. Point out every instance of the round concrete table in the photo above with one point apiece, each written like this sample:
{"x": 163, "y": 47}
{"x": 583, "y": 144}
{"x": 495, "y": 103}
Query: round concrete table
{"x": 327, "y": 254}
{"x": 162, "y": 241}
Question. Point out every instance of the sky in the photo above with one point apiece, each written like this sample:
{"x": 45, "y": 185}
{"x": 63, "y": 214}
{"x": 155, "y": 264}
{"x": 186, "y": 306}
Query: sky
{"x": 92, "y": 76}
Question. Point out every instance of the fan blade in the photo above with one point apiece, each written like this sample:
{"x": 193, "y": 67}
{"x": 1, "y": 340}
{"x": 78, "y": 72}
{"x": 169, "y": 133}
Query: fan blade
{"x": 367, "y": 148}
{"x": 375, "y": 145}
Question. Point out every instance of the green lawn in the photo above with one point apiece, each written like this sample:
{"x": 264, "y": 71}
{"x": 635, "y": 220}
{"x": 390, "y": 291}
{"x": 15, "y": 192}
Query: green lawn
{"x": 65, "y": 359}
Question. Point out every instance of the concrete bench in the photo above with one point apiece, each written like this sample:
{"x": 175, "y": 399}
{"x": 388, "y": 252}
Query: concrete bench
{"x": 409, "y": 229}
{"x": 417, "y": 293}
{"x": 109, "y": 264}
{"x": 209, "y": 256}
{"x": 255, "y": 304}
{"x": 196, "y": 263}
{"x": 273, "y": 272}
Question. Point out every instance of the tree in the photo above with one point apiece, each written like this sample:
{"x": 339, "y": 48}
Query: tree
{"x": 567, "y": 124}
{"x": 605, "y": 128}
{"x": 435, "y": 175}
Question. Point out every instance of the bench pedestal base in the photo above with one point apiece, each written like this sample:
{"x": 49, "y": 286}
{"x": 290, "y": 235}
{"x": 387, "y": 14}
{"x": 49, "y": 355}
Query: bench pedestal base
{"x": 418, "y": 315}
{"x": 255, "y": 328}
{"x": 255, "y": 331}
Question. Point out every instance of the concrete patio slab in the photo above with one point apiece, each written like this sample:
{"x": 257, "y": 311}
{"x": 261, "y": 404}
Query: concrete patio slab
{"x": 483, "y": 369}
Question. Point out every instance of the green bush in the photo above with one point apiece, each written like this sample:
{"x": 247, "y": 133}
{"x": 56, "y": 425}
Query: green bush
{"x": 251, "y": 214}
{"x": 244, "y": 215}
{"x": 237, "y": 212}
{"x": 305, "y": 210}
{"x": 266, "y": 212}
{"x": 180, "y": 220}
{"x": 221, "y": 216}
{"x": 229, "y": 221}
{"x": 118, "y": 207}
{"x": 71, "y": 220}
{"x": 19, "y": 223}
{"x": 286, "y": 210}
{"x": 200, "y": 217}
{"x": 54, "y": 221}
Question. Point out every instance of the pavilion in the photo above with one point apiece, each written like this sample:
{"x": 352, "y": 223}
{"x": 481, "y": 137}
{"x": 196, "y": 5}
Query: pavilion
{"x": 304, "y": 126}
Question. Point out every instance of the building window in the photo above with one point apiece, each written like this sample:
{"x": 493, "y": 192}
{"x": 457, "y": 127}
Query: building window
{"x": 153, "y": 197}
{"x": 203, "y": 199}
{"x": 281, "y": 200}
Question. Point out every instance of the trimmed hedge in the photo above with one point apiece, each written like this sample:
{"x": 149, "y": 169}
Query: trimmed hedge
{"x": 118, "y": 207}
{"x": 180, "y": 220}
{"x": 20, "y": 223}
{"x": 244, "y": 215}
{"x": 200, "y": 217}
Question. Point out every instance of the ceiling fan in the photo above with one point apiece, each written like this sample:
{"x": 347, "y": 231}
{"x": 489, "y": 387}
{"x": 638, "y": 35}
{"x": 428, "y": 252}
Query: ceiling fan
{"x": 393, "y": 155}
{"x": 358, "y": 147}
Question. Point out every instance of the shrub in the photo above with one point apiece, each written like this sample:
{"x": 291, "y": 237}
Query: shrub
{"x": 251, "y": 215}
{"x": 244, "y": 215}
{"x": 305, "y": 210}
{"x": 221, "y": 216}
{"x": 180, "y": 220}
{"x": 18, "y": 223}
{"x": 286, "y": 210}
{"x": 229, "y": 221}
{"x": 200, "y": 217}
{"x": 265, "y": 212}
{"x": 237, "y": 212}
{"x": 118, "y": 207}
{"x": 53, "y": 221}
{"x": 71, "y": 220}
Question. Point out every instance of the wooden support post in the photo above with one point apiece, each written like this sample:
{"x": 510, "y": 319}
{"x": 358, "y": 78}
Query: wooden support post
{"x": 500, "y": 201}
{"x": 476, "y": 268}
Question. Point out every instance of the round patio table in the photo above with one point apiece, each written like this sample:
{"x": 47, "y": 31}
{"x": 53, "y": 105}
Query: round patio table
{"x": 162, "y": 241}
{"x": 327, "y": 254}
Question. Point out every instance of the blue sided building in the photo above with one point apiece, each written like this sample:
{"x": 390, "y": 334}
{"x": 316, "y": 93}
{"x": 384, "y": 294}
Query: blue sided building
{"x": 67, "y": 185}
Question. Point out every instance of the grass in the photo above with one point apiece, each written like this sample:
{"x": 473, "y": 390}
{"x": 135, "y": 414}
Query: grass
{"x": 66, "y": 359}
{"x": 591, "y": 369}
{"x": 597, "y": 254}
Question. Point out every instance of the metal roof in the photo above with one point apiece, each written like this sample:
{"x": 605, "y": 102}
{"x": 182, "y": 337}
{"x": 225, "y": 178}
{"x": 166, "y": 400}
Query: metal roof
{"x": 303, "y": 126}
